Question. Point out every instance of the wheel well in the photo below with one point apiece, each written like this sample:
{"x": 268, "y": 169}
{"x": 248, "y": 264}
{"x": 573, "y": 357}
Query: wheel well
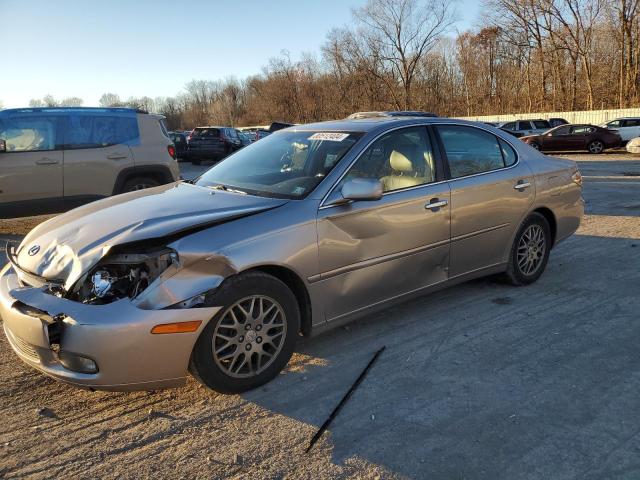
{"x": 160, "y": 173}
{"x": 297, "y": 286}
{"x": 551, "y": 219}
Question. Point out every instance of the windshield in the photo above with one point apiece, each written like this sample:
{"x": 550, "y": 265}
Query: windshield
{"x": 286, "y": 164}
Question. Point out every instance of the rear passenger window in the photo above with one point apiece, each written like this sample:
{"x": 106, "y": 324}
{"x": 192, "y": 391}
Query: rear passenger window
{"x": 541, "y": 124}
{"x": 508, "y": 153}
{"x": 206, "y": 132}
{"x": 97, "y": 131}
{"x": 524, "y": 125}
{"x": 470, "y": 150}
{"x": 31, "y": 133}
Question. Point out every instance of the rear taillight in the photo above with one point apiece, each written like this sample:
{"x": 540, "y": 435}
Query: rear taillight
{"x": 577, "y": 178}
{"x": 172, "y": 151}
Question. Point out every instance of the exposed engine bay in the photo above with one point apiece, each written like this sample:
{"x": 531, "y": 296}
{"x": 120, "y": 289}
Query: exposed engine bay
{"x": 121, "y": 275}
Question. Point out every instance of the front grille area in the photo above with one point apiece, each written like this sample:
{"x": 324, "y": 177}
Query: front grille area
{"x": 23, "y": 347}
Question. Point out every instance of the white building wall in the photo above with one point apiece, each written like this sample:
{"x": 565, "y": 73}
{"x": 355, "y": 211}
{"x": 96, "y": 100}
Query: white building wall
{"x": 594, "y": 117}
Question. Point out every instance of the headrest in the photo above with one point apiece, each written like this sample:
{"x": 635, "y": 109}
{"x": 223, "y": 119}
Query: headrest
{"x": 399, "y": 162}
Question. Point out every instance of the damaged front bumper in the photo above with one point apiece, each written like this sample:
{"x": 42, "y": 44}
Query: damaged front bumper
{"x": 116, "y": 336}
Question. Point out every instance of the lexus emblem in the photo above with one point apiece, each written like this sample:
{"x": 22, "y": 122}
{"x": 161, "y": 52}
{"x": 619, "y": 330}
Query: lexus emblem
{"x": 33, "y": 250}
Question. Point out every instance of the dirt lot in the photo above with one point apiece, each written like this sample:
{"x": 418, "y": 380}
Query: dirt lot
{"x": 478, "y": 381}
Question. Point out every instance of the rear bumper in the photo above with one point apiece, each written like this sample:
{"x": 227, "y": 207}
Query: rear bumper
{"x": 116, "y": 336}
{"x": 205, "y": 152}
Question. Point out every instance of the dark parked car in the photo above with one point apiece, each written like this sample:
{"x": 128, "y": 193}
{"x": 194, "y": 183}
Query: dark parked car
{"x": 556, "y": 122}
{"x": 256, "y": 134}
{"x": 275, "y": 126}
{"x": 179, "y": 139}
{"x": 212, "y": 143}
{"x": 244, "y": 138}
{"x": 575, "y": 137}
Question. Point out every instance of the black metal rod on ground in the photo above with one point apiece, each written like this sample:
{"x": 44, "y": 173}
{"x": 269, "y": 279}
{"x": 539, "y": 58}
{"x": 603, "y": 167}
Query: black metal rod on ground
{"x": 346, "y": 397}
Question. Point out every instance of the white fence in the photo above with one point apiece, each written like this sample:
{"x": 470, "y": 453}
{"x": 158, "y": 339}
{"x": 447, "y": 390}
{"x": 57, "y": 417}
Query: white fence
{"x": 594, "y": 117}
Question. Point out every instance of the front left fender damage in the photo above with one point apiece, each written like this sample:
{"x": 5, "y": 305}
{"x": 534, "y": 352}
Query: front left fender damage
{"x": 198, "y": 274}
{"x": 116, "y": 335}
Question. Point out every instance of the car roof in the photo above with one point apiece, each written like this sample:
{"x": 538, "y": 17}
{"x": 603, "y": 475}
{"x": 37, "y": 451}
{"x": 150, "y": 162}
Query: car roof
{"x": 376, "y": 123}
{"x": 72, "y": 109}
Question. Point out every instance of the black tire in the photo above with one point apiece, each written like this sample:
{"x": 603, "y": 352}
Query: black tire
{"x": 596, "y": 147}
{"x": 213, "y": 372}
{"x": 516, "y": 274}
{"x": 139, "y": 183}
{"x": 535, "y": 145}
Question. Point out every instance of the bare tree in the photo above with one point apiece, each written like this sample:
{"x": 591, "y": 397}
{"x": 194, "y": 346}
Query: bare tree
{"x": 401, "y": 32}
{"x": 71, "y": 102}
{"x": 110, "y": 100}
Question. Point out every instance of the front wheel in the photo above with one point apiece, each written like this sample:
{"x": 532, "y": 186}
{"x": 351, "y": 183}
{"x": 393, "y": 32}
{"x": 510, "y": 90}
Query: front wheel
{"x": 530, "y": 251}
{"x": 534, "y": 145}
{"x": 139, "y": 183}
{"x": 251, "y": 339}
{"x": 596, "y": 147}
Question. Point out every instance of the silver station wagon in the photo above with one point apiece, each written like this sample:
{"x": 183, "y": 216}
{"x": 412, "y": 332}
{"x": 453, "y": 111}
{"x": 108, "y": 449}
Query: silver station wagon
{"x": 304, "y": 230}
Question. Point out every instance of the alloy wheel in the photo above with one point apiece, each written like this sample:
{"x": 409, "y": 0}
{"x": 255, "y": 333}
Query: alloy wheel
{"x": 531, "y": 249}
{"x": 596, "y": 146}
{"x": 249, "y": 336}
{"x": 140, "y": 186}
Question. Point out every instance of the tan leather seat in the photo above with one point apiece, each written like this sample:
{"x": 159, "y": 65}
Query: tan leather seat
{"x": 403, "y": 175}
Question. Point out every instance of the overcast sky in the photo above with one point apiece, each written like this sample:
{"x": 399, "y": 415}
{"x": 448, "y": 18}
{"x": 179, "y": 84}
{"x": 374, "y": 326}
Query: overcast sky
{"x": 134, "y": 48}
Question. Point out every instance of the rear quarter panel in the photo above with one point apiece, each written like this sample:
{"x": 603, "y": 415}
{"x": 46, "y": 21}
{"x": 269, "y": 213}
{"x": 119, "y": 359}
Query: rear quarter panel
{"x": 152, "y": 149}
{"x": 556, "y": 191}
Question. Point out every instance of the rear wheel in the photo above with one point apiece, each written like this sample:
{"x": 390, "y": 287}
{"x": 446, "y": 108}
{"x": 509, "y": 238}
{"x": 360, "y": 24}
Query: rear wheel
{"x": 530, "y": 251}
{"x": 139, "y": 183}
{"x": 596, "y": 146}
{"x": 251, "y": 339}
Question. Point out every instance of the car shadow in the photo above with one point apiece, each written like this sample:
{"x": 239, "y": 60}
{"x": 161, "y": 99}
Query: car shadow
{"x": 484, "y": 379}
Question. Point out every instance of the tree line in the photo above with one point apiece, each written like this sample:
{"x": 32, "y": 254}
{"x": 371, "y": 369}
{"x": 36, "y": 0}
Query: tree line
{"x": 524, "y": 56}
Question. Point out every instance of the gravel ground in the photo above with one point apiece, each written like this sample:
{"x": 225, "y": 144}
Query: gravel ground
{"x": 481, "y": 380}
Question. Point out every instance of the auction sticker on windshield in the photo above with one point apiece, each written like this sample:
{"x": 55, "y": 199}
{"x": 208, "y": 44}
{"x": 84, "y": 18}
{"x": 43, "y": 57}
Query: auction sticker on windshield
{"x": 330, "y": 136}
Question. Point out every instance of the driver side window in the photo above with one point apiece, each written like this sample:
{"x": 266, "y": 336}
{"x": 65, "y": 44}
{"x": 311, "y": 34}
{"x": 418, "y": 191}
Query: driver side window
{"x": 400, "y": 159}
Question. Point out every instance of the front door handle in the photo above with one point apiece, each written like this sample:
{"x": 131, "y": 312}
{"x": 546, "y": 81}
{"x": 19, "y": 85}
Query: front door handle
{"x": 47, "y": 161}
{"x": 116, "y": 156}
{"x": 521, "y": 185}
{"x": 435, "y": 204}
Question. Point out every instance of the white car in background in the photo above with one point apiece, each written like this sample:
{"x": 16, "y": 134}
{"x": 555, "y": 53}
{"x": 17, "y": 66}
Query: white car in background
{"x": 628, "y": 128}
{"x": 633, "y": 146}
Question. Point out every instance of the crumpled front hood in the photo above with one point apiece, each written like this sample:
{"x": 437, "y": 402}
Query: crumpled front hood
{"x": 66, "y": 246}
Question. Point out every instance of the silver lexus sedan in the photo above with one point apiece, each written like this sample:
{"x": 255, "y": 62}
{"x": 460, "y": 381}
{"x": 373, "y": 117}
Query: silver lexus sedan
{"x": 311, "y": 227}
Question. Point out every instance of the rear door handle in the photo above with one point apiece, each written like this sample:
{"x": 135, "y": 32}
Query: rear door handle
{"x": 435, "y": 204}
{"x": 116, "y": 156}
{"x": 47, "y": 161}
{"x": 521, "y": 185}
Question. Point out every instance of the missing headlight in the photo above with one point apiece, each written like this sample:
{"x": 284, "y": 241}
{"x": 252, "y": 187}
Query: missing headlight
{"x": 122, "y": 275}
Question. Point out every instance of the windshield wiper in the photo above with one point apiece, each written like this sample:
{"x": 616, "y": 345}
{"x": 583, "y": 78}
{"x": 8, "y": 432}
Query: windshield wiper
{"x": 221, "y": 186}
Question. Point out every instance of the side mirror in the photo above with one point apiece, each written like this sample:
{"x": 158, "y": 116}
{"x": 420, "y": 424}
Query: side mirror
{"x": 360, "y": 189}
{"x": 3, "y": 146}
